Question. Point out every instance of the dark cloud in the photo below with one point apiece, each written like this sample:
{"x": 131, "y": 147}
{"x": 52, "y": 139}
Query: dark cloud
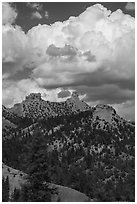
{"x": 97, "y": 79}
{"x": 101, "y": 77}
{"x": 90, "y": 57}
{"x": 22, "y": 74}
{"x": 10, "y": 68}
{"x": 70, "y": 52}
{"x": 64, "y": 93}
{"x": 67, "y": 50}
{"x": 108, "y": 94}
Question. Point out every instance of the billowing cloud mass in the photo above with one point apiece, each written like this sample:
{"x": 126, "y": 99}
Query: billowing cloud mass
{"x": 24, "y": 87}
{"x": 15, "y": 49}
{"x": 9, "y": 14}
{"x": 94, "y": 52}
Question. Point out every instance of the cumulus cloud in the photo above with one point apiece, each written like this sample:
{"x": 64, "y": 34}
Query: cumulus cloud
{"x": 36, "y": 15}
{"x": 95, "y": 50}
{"x": 9, "y": 14}
{"x": 130, "y": 6}
{"x": 15, "y": 49}
{"x": 108, "y": 38}
{"x": 67, "y": 50}
{"x": 21, "y": 90}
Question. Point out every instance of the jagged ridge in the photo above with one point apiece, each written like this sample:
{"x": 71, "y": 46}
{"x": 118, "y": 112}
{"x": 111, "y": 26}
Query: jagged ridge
{"x": 36, "y": 108}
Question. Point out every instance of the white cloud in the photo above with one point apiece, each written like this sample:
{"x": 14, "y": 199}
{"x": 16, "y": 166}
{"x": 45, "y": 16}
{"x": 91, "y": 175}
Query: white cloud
{"x": 130, "y": 6}
{"x": 15, "y": 49}
{"x": 20, "y": 90}
{"x": 109, "y": 38}
{"x": 70, "y": 53}
{"x": 9, "y": 14}
{"x": 36, "y": 14}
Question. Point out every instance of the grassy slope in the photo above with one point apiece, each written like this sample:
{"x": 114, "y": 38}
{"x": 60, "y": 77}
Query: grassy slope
{"x": 65, "y": 194}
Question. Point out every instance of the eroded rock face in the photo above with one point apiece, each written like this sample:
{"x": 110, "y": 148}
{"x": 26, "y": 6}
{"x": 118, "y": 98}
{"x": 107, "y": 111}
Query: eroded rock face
{"x": 104, "y": 112}
{"x": 75, "y": 104}
{"x": 9, "y": 115}
{"x": 35, "y": 107}
{"x": 75, "y": 95}
{"x": 106, "y": 116}
{"x": 34, "y": 96}
{"x": 17, "y": 109}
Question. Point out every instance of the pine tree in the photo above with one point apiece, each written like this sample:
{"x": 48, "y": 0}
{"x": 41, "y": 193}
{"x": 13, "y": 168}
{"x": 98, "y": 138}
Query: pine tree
{"x": 5, "y": 189}
{"x": 37, "y": 190}
{"x": 15, "y": 195}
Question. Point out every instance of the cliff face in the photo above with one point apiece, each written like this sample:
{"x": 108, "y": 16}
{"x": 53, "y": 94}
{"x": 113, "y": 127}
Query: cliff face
{"x": 35, "y": 107}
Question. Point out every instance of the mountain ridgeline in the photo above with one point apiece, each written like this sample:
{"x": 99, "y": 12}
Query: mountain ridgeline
{"x": 89, "y": 149}
{"x": 36, "y": 108}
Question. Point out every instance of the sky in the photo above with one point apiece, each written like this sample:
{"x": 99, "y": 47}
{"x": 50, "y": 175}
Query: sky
{"x": 57, "y": 48}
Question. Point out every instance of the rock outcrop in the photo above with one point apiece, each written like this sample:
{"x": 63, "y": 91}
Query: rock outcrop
{"x": 35, "y": 107}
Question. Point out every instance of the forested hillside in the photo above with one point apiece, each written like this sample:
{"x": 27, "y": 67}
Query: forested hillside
{"x": 92, "y": 151}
